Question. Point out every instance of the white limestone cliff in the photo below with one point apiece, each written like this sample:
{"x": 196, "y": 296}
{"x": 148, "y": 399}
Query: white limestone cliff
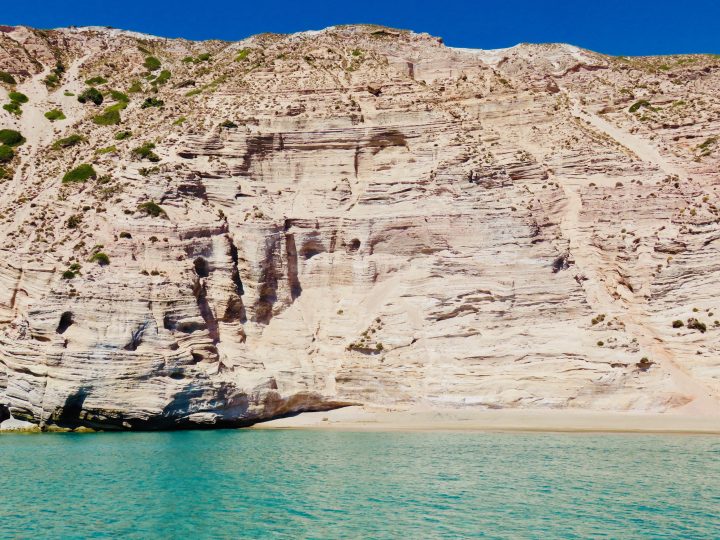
{"x": 356, "y": 216}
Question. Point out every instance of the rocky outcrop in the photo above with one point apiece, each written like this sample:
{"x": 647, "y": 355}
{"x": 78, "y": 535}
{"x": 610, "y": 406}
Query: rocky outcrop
{"x": 354, "y": 216}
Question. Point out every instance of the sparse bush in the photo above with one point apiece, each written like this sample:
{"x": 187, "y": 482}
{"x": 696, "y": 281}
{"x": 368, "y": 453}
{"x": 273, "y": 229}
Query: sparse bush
{"x": 162, "y": 78}
{"x": 135, "y": 87}
{"x": 67, "y": 142}
{"x": 242, "y": 55}
{"x": 55, "y": 114}
{"x": 73, "y": 221}
{"x": 119, "y": 96}
{"x": 122, "y": 135}
{"x": 95, "y": 81}
{"x": 639, "y": 104}
{"x": 146, "y": 152}
{"x": 110, "y": 116}
{"x": 80, "y": 173}
{"x": 68, "y": 274}
{"x": 152, "y": 63}
{"x": 6, "y": 153}
{"x": 125, "y": 234}
{"x": 228, "y": 124}
{"x": 18, "y": 97}
{"x": 147, "y": 171}
{"x": 151, "y": 208}
{"x": 10, "y": 137}
{"x": 152, "y": 102}
{"x": 6, "y": 78}
{"x": 13, "y": 108}
{"x": 678, "y": 324}
{"x": 101, "y": 258}
{"x": 106, "y": 150}
{"x": 644, "y": 364}
{"x": 695, "y": 324}
{"x": 91, "y": 94}
{"x": 51, "y": 80}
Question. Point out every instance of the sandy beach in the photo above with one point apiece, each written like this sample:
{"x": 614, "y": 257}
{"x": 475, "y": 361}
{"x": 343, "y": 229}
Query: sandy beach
{"x": 362, "y": 419}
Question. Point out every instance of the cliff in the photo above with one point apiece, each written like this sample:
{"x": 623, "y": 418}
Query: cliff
{"x": 361, "y": 215}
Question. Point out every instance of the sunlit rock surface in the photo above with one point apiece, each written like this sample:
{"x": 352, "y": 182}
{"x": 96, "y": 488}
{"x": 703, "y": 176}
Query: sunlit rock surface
{"x": 358, "y": 215}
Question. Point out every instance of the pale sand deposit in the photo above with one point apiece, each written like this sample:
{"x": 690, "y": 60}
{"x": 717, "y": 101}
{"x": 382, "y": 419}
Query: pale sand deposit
{"x": 360, "y": 419}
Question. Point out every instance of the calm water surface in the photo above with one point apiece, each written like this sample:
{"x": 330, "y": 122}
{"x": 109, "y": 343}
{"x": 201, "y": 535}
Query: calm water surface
{"x": 313, "y": 484}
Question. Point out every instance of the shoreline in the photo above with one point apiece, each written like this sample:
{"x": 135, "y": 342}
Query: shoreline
{"x": 373, "y": 419}
{"x": 498, "y": 420}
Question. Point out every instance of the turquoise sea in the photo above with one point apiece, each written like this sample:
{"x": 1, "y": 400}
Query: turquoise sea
{"x": 316, "y": 484}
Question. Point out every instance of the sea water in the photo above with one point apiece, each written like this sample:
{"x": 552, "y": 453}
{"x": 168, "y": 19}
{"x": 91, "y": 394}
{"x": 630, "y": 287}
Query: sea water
{"x": 320, "y": 484}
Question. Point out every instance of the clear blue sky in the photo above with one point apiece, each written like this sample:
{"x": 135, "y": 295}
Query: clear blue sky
{"x": 628, "y": 27}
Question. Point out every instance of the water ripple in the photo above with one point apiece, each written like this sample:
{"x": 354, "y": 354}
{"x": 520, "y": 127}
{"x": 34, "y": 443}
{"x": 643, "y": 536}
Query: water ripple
{"x": 303, "y": 484}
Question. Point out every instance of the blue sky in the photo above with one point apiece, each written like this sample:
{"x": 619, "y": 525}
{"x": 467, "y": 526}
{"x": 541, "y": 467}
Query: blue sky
{"x": 611, "y": 26}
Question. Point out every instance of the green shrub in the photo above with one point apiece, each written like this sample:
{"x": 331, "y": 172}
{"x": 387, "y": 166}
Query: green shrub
{"x": 91, "y": 94}
{"x": 95, "y": 81}
{"x": 242, "y": 55}
{"x": 68, "y": 94}
{"x": 638, "y": 104}
{"x": 695, "y": 324}
{"x": 67, "y": 142}
{"x": 188, "y": 60}
{"x": 228, "y": 124}
{"x": 6, "y": 153}
{"x": 179, "y": 121}
{"x": 7, "y": 78}
{"x": 204, "y": 57}
{"x": 80, "y": 173}
{"x": 678, "y": 324}
{"x": 192, "y": 93}
{"x": 101, "y": 258}
{"x": 135, "y": 87}
{"x": 10, "y": 137}
{"x": 4, "y": 173}
{"x": 119, "y": 96}
{"x": 162, "y": 78}
{"x": 13, "y": 108}
{"x": 125, "y": 234}
{"x": 122, "y": 135}
{"x": 151, "y": 208}
{"x": 55, "y": 114}
{"x": 18, "y": 97}
{"x": 52, "y": 80}
{"x": 106, "y": 150}
{"x": 152, "y": 63}
{"x": 73, "y": 221}
{"x": 68, "y": 274}
{"x": 146, "y": 152}
{"x": 152, "y": 102}
{"x": 109, "y": 117}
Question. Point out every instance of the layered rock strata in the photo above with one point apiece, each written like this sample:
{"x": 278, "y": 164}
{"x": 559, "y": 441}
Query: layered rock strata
{"x": 354, "y": 216}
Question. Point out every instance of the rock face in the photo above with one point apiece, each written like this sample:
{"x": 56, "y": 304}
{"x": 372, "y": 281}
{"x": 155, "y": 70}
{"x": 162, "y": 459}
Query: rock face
{"x": 357, "y": 215}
